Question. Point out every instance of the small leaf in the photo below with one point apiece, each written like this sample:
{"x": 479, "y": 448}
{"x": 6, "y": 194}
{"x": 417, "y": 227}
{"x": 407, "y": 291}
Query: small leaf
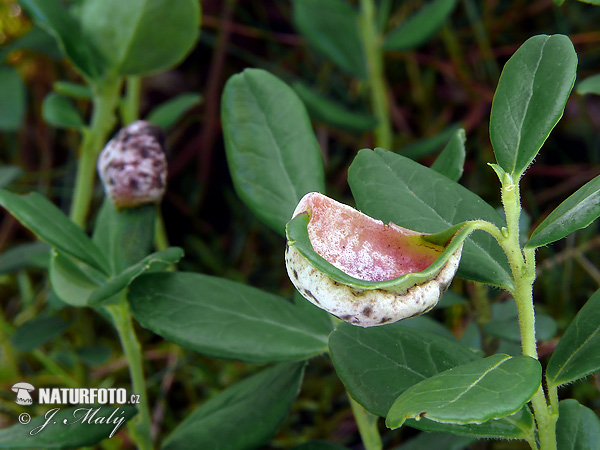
{"x": 167, "y": 114}
{"x": 377, "y": 364}
{"x": 58, "y": 111}
{"x": 333, "y": 113}
{"x": 123, "y": 31}
{"x": 8, "y": 174}
{"x": 530, "y": 98}
{"x": 154, "y": 262}
{"x": 74, "y": 90}
{"x": 428, "y": 146}
{"x": 273, "y": 155}
{"x": 575, "y": 213}
{"x": 332, "y": 28}
{"x": 37, "y": 40}
{"x": 46, "y": 221}
{"x": 72, "y": 281}
{"x": 77, "y": 433}
{"x": 58, "y": 21}
{"x": 420, "y": 27}
{"x": 576, "y": 354}
{"x": 396, "y": 189}
{"x": 12, "y": 99}
{"x": 490, "y": 388}
{"x": 229, "y": 420}
{"x": 224, "y": 319}
{"x": 451, "y": 160}
{"x": 25, "y": 256}
{"x": 94, "y": 356}
{"x": 517, "y": 426}
{"x": 590, "y": 85}
{"x": 37, "y": 332}
{"x": 578, "y": 427}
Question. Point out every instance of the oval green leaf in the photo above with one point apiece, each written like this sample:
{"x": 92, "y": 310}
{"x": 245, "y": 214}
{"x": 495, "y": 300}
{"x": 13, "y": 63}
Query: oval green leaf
{"x": 47, "y": 222}
{"x": 590, "y": 85}
{"x": 229, "y": 420}
{"x": 224, "y": 319}
{"x": 12, "y": 99}
{"x": 38, "y": 331}
{"x": 273, "y": 155}
{"x": 76, "y": 434}
{"x": 576, "y": 355}
{"x": 530, "y": 98}
{"x": 395, "y": 189}
{"x": 332, "y": 28}
{"x": 476, "y": 392}
{"x": 575, "y": 213}
{"x": 124, "y": 31}
{"x": 420, "y": 27}
{"x": 58, "y": 111}
{"x": 72, "y": 281}
{"x": 167, "y": 114}
{"x": 578, "y": 427}
{"x": 377, "y": 364}
{"x": 450, "y": 162}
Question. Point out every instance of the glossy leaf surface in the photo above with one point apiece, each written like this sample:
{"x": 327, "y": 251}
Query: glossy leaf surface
{"x": 450, "y": 162}
{"x": 576, "y": 354}
{"x": 575, "y": 213}
{"x": 273, "y": 155}
{"x": 221, "y": 318}
{"x": 396, "y": 189}
{"x": 332, "y": 28}
{"x": 379, "y": 363}
{"x": 244, "y": 416}
{"x": 420, "y": 27}
{"x": 530, "y": 98}
{"x": 485, "y": 389}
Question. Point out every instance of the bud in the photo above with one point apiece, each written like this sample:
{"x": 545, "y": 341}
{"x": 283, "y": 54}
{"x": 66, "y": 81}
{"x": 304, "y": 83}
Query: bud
{"x": 363, "y": 271}
{"x": 133, "y": 165}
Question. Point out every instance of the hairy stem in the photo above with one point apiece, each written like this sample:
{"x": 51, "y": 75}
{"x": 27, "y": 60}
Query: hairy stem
{"x": 106, "y": 97}
{"x": 372, "y": 45}
{"x": 140, "y": 424}
{"x": 367, "y": 426}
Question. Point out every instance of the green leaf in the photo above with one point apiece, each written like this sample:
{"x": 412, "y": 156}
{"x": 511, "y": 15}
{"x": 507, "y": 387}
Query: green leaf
{"x": 167, "y": 114}
{"x": 331, "y": 112}
{"x": 25, "y": 256}
{"x": 420, "y": 27}
{"x": 545, "y": 328}
{"x": 94, "y": 355}
{"x": 485, "y": 389}
{"x": 58, "y": 21}
{"x": 576, "y": 355}
{"x": 245, "y": 415}
{"x": 38, "y": 40}
{"x": 578, "y": 427}
{"x": 12, "y": 99}
{"x": 72, "y": 281}
{"x": 124, "y": 31}
{"x": 427, "y": 146}
{"x": 155, "y": 262}
{"x": 332, "y": 28}
{"x": 74, "y": 434}
{"x": 8, "y": 174}
{"x": 396, "y": 189}
{"x": 37, "y": 332}
{"x": 437, "y": 441}
{"x": 591, "y": 2}
{"x": 224, "y": 319}
{"x": 47, "y": 222}
{"x": 376, "y": 364}
{"x": 58, "y": 111}
{"x": 517, "y": 426}
{"x": 273, "y": 155}
{"x": 530, "y": 98}
{"x": 451, "y": 160}
{"x": 591, "y": 85}
{"x": 575, "y": 213}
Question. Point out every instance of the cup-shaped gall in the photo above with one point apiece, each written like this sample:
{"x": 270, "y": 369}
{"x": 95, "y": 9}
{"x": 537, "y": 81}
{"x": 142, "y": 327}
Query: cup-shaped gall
{"x": 364, "y": 271}
{"x": 133, "y": 166}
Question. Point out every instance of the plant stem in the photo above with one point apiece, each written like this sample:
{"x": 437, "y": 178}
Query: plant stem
{"x": 130, "y": 108}
{"x": 522, "y": 265}
{"x": 372, "y": 46}
{"x": 105, "y": 101}
{"x": 140, "y": 424}
{"x": 367, "y": 426}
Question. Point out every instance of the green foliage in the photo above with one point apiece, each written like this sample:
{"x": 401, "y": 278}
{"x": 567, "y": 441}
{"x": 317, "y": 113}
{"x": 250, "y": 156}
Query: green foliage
{"x": 61, "y": 113}
{"x": 590, "y": 85}
{"x": 12, "y": 99}
{"x": 451, "y": 160}
{"x": 37, "y": 332}
{"x": 167, "y": 114}
{"x": 578, "y": 427}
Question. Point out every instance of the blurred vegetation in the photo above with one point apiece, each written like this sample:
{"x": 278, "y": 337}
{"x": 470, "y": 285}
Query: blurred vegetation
{"x": 448, "y": 81}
